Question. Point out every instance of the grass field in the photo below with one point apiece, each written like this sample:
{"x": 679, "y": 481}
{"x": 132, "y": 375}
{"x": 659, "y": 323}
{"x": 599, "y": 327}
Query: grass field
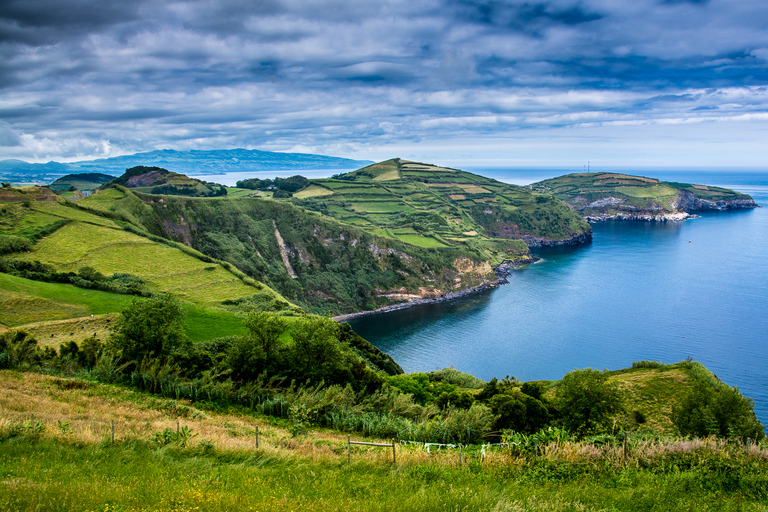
{"x": 421, "y": 241}
{"x": 23, "y": 301}
{"x": 313, "y": 191}
{"x": 164, "y": 268}
{"x": 65, "y": 460}
{"x": 55, "y": 313}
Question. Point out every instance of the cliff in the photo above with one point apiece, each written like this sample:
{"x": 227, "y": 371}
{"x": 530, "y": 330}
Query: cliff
{"x": 610, "y": 196}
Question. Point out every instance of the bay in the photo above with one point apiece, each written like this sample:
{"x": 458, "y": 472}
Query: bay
{"x": 639, "y": 291}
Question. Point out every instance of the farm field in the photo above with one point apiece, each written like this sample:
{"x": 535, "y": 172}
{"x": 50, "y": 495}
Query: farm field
{"x": 55, "y": 313}
{"x": 440, "y": 204}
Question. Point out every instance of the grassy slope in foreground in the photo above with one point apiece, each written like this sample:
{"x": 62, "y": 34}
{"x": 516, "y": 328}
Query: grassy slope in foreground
{"x": 605, "y": 195}
{"x": 71, "y": 464}
{"x": 433, "y": 206}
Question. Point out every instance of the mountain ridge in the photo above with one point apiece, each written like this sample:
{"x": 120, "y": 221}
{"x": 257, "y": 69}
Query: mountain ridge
{"x": 192, "y": 162}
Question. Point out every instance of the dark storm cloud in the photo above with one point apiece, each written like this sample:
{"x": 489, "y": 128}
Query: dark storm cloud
{"x": 38, "y": 22}
{"x": 81, "y": 75}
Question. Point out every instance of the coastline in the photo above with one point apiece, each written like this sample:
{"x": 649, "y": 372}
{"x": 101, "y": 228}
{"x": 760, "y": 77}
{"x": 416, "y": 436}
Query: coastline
{"x": 502, "y": 272}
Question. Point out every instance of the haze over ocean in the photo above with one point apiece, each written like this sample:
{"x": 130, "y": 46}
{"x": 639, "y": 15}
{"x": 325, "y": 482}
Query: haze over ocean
{"x": 656, "y": 291}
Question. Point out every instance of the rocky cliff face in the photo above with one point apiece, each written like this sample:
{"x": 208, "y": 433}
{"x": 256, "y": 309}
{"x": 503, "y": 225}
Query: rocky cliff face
{"x": 688, "y": 202}
{"x": 577, "y": 239}
{"x": 645, "y": 216}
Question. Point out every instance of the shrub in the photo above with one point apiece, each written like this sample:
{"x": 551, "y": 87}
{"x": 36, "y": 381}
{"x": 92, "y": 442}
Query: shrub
{"x": 717, "y": 410}
{"x": 10, "y": 243}
{"x": 587, "y": 402}
{"x": 152, "y": 327}
{"x": 17, "y": 348}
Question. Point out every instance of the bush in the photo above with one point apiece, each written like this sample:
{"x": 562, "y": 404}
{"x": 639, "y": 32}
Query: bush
{"x": 152, "y": 327}
{"x": 717, "y": 410}
{"x": 10, "y": 243}
{"x": 587, "y": 402}
{"x": 17, "y": 348}
{"x": 517, "y": 411}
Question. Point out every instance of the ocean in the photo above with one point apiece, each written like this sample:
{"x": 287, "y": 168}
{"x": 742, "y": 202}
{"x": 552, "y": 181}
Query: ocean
{"x": 639, "y": 291}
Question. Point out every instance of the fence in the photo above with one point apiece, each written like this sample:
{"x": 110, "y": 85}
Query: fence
{"x": 240, "y": 435}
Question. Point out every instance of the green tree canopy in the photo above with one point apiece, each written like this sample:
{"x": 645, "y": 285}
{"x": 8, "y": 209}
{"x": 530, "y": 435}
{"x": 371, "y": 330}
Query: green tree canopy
{"x": 152, "y": 327}
{"x": 717, "y": 410}
{"x": 587, "y": 401}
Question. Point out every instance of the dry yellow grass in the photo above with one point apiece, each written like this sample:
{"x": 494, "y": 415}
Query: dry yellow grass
{"x": 53, "y": 334}
{"x": 457, "y": 197}
{"x": 313, "y": 191}
{"x": 84, "y": 411}
{"x": 388, "y": 176}
{"x": 626, "y": 177}
{"x": 90, "y": 408}
{"x": 475, "y": 189}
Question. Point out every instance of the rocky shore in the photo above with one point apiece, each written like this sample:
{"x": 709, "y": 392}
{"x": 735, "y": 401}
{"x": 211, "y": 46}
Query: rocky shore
{"x": 684, "y": 205}
{"x": 502, "y": 273}
{"x": 545, "y": 242}
{"x": 645, "y": 216}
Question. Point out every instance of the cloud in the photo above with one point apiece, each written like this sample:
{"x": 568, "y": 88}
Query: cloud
{"x": 343, "y": 75}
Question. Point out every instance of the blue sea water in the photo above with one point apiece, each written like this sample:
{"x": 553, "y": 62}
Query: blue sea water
{"x": 655, "y": 291}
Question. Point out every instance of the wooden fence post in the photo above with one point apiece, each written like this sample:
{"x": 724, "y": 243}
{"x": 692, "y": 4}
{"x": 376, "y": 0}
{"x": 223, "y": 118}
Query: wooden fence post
{"x": 459, "y": 455}
{"x": 349, "y": 450}
{"x": 113, "y": 431}
{"x": 257, "y": 437}
{"x": 626, "y": 447}
{"x": 394, "y": 460}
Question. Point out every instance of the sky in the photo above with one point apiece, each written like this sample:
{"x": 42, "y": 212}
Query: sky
{"x": 464, "y": 83}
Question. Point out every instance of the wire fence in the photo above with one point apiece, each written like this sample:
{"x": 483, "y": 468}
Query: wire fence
{"x": 241, "y": 435}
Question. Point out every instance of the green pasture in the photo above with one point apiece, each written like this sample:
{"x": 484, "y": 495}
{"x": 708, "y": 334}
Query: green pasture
{"x": 382, "y": 207}
{"x": 421, "y": 241}
{"x": 70, "y": 212}
{"x": 313, "y": 191}
{"x": 653, "y": 191}
{"x": 19, "y": 220}
{"x": 134, "y": 475}
{"x": 234, "y": 192}
{"x": 23, "y": 301}
{"x": 163, "y": 267}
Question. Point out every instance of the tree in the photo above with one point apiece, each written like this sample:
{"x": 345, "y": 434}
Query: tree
{"x": 517, "y": 411}
{"x": 256, "y": 352}
{"x": 152, "y": 327}
{"x": 717, "y": 410}
{"x": 587, "y": 401}
{"x": 316, "y": 354}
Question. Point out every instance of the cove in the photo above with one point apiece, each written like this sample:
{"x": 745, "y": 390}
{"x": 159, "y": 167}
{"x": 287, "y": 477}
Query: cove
{"x": 655, "y": 291}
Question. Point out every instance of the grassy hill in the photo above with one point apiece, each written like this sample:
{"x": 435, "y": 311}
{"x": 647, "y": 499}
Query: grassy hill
{"x": 390, "y": 232}
{"x": 431, "y": 206}
{"x": 65, "y": 239}
{"x": 607, "y": 195}
{"x": 156, "y": 180}
{"x": 84, "y": 181}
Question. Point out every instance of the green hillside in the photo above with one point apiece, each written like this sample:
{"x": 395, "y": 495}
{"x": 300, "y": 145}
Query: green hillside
{"x": 85, "y": 181}
{"x": 605, "y": 195}
{"x": 431, "y": 206}
{"x": 156, "y": 180}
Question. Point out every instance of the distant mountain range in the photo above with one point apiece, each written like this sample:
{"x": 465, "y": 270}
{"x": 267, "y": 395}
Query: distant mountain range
{"x": 194, "y": 162}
